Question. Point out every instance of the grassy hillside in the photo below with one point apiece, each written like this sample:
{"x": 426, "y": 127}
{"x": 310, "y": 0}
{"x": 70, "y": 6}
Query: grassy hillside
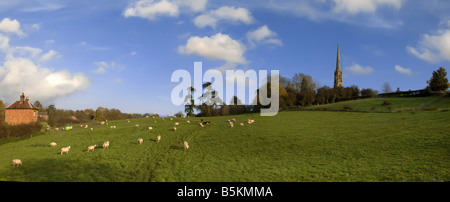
{"x": 292, "y": 146}
{"x": 396, "y": 104}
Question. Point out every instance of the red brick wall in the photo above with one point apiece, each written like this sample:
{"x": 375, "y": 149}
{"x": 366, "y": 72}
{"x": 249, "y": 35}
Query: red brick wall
{"x": 20, "y": 116}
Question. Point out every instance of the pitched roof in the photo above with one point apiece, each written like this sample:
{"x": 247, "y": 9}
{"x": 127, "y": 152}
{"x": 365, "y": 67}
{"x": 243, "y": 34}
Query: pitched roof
{"x": 23, "y": 105}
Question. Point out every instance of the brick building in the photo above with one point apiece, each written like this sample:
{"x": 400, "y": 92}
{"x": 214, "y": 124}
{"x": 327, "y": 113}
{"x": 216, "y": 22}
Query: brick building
{"x": 21, "y": 112}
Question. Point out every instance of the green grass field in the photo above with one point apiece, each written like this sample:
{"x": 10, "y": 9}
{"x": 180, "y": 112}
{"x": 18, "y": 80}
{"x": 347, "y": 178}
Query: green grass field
{"x": 292, "y": 146}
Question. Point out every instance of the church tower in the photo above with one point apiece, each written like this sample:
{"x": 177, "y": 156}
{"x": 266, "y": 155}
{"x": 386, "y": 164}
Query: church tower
{"x": 338, "y": 72}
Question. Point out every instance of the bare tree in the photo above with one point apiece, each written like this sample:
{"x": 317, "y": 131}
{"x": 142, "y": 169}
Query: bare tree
{"x": 386, "y": 88}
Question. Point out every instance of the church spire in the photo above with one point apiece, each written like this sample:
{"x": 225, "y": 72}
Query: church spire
{"x": 338, "y": 72}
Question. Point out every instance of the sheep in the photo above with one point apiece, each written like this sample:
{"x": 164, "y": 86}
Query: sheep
{"x": 158, "y": 138}
{"x": 176, "y": 123}
{"x": 52, "y": 144}
{"x": 241, "y": 124}
{"x": 150, "y": 128}
{"x": 16, "y": 162}
{"x": 65, "y": 150}
{"x": 174, "y": 128}
{"x": 92, "y": 129}
{"x": 91, "y": 148}
{"x": 186, "y": 145}
{"x": 137, "y": 125}
{"x": 231, "y": 125}
{"x": 234, "y": 120}
{"x": 140, "y": 140}
{"x": 188, "y": 121}
{"x": 106, "y": 145}
{"x": 171, "y": 119}
{"x": 250, "y": 121}
{"x": 86, "y": 126}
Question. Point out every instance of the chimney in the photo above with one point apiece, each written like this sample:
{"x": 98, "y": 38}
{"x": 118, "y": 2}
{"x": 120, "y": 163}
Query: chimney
{"x": 22, "y": 97}
{"x": 26, "y": 99}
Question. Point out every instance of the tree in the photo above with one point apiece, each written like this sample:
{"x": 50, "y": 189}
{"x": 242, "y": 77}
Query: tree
{"x": 386, "y": 88}
{"x": 99, "y": 114}
{"x": 51, "y": 110}
{"x": 189, "y": 102}
{"x": 438, "y": 81}
{"x": 2, "y": 112}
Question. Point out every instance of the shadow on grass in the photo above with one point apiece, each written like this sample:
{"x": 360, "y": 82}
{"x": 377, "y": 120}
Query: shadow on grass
{"x": 60, "y": 170}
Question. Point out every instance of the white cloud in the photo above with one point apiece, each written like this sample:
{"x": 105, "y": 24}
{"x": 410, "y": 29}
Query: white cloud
{"x": 365, "y": 6}
{"x": 35, "y": 26}
{"x": 225, "y": 13}
{"x": 21, "y": 71}
{"x": 40, "y": 83}
{"x": 357, "y": 69}
{"x": 103, "y": 66}
{"x": 10, "y": 26}
{"x": 150, "y": 10}
{"x": 219, "y": 47}
{"x": 433, "y": 48}
{"x": 51, "y": 54}
{"x": 194, "y": 5}
{"x": 263, "y": 35}
{"x": 402, "y": 70}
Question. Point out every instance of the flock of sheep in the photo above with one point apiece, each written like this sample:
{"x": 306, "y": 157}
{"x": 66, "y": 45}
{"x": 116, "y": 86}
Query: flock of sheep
{"x": 18, "y": 162}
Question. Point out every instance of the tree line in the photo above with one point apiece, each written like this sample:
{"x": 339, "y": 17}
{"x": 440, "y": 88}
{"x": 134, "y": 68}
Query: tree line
{"x": 299, "y": 91}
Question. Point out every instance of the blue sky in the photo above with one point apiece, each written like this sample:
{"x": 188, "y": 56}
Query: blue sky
{"x": 121, "y": 54}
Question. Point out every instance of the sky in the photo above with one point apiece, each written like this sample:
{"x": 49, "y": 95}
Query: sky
{"x": 121, "y": 54}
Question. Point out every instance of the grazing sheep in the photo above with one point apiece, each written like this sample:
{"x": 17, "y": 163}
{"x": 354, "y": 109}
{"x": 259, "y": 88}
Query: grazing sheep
{"x": 65, "y": 150}
{"x": 231, "y": 125}
{"x": 102, "y": 123}
{"x": 91, "y": 148}
{"x": 174, "y": 128}
{"x": 250, "y": 121}
{"x": 16, "y": 162}
{"x": 241, "y": 124}
{"x": 86, "y": 126}
{"x": 176, "y": 123}
{"x": 52, "y": 144}
{"x": 158, "y": 138}
{"x": 188, "y": 122}
{"x": 140, "y": 140}
{"x": 137, "y": 125}
{"x": 186, "y": 145}
{"x": 92, "y": 129}
{"x": 234, "y": 120}
{"x": 150, "y": 128}
{"x": 171, "y": 119}
{"x": 106, "y": 145}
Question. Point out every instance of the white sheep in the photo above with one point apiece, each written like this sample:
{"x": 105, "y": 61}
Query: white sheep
{"x": 186, "y": 145}
{"x": 16, "y": 162}
{"x": 91, "y": 148}
{"x": 150, "y": 128}
{"x": 176, "y": 123}
{"x": 174, "y": 128}
{"x": 234, "y": 120}
{"x": 231, "y": 125}
{"x": 86, "y": 126}
{"x": 137, "y": 125}
{"x": 65, "y": 150}
{"x": 106, "y": 145}
{"x": 241, "y": 124}
{"x": 171, "y": 119}
{"x": 52, "y": 144}
{"x": 188, "y": 121}
{"x": 92, "y": 129}
{"x": 140, "y": 140}
{"x": 158, "y": 138}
